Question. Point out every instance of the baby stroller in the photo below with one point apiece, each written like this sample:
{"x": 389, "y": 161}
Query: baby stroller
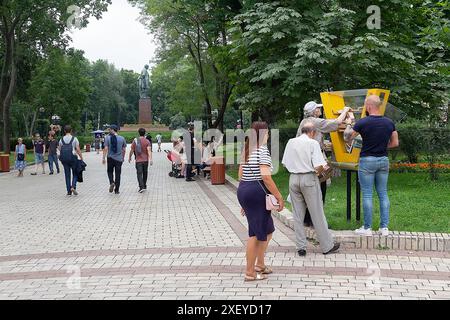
{"x": 176, "y": 163}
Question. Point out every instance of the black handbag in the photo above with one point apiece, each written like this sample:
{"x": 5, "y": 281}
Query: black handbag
{"x": 20, "y": 157}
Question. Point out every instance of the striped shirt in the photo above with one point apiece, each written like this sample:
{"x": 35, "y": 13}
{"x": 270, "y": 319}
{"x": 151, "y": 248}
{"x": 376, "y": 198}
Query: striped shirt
{"x": 251, "y": 170}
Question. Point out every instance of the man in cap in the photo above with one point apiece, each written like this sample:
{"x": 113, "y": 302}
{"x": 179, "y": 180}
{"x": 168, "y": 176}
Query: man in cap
{"x": 312, "y": 113}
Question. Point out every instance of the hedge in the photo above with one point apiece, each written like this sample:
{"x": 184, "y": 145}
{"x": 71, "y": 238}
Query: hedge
{"x": 29, "y": 142}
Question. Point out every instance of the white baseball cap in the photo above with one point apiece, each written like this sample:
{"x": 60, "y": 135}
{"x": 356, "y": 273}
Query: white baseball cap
{"x": 311, "y": 106}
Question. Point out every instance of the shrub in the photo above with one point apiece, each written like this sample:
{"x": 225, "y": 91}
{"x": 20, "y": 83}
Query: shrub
{"x": 436, "y": 144}
{"x": 419, "y": 138}
{"x": 410, "y": 139}
{"x": 285, "y": 135}
{"x": 177, "y": 121}
{"x": 84, "y": 140}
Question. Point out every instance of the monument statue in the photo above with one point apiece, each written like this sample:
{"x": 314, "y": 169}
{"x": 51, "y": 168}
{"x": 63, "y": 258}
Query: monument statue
{"x": 145, "y": 103}
{"x": 144, "y": 83}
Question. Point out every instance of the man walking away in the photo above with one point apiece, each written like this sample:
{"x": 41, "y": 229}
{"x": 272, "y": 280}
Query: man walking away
{"x": 52, "y": 147}
{"x": 159, "y": 140}
{"x": 302, "y": 158}
{"x": 378, "y": 134}
{"x": 115, "y": 147}
{"x": 69, "y": 148}
{"x": 141, "y": 148}
{"x": 39, "y": 151}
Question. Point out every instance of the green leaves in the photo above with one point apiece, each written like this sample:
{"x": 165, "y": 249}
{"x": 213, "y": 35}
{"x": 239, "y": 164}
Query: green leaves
{"x": 328, "y": 46}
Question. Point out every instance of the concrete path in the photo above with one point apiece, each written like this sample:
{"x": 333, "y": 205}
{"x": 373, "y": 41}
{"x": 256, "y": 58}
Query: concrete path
{"x": 179, "y": 240}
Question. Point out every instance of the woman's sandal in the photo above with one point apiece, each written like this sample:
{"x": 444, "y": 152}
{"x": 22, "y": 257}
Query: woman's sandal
{"x": 265, "y": 270}
{"x": 258, "y": 277}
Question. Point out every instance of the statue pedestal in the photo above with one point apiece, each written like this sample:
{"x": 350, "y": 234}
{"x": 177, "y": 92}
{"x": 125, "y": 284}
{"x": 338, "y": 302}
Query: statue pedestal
{"x": 145, "y": 111}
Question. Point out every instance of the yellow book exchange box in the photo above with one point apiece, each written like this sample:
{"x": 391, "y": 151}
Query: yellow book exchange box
{"x": 347, "y": 157}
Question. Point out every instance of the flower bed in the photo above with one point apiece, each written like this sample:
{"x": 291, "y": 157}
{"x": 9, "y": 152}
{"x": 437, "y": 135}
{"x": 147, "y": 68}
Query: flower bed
{"x": 419, "y": 167}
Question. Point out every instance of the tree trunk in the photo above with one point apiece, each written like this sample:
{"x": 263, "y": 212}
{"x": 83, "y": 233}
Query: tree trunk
{"x": 201, "y": 74}
{"x": 6, "y": 110}
{"x": 7, "y": 87}
{"x": 255, "y": 115}
{"x": 33, "y": 121}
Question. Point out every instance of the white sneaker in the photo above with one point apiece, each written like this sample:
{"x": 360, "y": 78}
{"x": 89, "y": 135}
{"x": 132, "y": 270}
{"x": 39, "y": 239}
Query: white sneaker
{"x": 364, "y": 232}
{"x": 384, "y": 232}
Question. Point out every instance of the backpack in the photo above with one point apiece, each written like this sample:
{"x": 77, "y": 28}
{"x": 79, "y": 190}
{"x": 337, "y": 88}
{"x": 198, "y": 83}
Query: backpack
{"x": 66, "y": 154}
{"x": 138, "y": 144}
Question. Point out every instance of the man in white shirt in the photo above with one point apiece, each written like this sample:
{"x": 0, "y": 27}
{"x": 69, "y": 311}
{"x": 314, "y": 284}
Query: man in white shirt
{"x": 303, "y": 158}
{"x": 313, "y": 113}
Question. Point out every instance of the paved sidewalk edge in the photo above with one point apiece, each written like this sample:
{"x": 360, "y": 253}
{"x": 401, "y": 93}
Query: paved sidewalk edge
{"x": 397, "y": 240}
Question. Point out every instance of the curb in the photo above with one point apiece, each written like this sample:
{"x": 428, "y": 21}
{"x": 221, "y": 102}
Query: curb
{"x": 397, "y": 240}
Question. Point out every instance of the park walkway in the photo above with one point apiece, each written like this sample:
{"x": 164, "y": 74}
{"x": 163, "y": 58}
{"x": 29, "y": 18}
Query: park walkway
{"x": 177, "y": 241}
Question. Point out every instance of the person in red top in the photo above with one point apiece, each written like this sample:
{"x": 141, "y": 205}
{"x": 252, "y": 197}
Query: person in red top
{"x": 142, "y": 151}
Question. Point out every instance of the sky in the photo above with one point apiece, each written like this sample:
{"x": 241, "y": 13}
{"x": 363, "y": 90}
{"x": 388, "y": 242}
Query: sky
{"x": 118, "y": 37}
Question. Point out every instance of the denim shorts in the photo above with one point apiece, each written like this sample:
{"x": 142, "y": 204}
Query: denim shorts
{"x": 39, "y": 158}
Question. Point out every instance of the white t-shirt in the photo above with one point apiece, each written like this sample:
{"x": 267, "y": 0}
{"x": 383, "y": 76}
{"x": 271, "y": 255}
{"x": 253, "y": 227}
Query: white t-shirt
{"x": 75, "y": 143}
{"x": 303, "y": 155}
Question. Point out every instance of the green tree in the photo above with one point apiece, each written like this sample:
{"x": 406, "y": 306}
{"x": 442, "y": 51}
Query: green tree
{"x": 106, "y": 102}
{"x": 293, "y": 50}
{"x": 130, "y": 94}
{"x": 176, "y": 85}
{"x": 199, "y": 29}
{"x": 33, "y": 25}
{"x": 61, "y": 85}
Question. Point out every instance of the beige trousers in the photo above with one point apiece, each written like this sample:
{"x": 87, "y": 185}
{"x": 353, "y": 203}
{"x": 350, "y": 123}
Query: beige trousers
{"x": 305, "y": 193}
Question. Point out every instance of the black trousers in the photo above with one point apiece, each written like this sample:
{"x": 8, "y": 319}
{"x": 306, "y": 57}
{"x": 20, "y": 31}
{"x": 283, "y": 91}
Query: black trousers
{"x": 308, "y": 220}
{"x": 142, "y": 174}
{"x": 114, "y": 172}
{"x": 188, "y": 171}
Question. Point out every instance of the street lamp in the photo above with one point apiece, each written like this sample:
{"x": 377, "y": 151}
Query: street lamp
{"x": 56, "y": 120}
{"x": 42, "y": 122}
{"x": 55, "y": 124}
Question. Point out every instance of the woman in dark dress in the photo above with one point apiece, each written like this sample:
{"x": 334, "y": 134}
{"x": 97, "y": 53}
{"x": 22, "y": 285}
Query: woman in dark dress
{"x": 255, "y": 175}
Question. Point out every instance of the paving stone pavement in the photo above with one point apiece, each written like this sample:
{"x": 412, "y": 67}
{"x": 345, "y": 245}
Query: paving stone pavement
{"x": 178, "y": 241}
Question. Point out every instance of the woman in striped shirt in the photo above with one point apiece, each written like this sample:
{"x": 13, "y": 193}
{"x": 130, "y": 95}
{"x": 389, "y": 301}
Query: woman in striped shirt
{"x": 255, "y": 183}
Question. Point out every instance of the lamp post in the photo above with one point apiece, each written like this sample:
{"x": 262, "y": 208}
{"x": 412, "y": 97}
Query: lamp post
{"x": 42, "y": 122}
{"x": 55, "y": 124}
{"x": 241, "y": 115}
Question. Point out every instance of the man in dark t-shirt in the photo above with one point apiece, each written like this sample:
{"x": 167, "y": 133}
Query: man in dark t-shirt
{"x": 39, "y": 151}
{"x": 52, "y": 147}
{"x": 378, "y": 134}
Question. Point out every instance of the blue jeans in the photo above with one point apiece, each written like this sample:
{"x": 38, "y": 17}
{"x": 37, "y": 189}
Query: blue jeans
{"x": 70, "y": 174}
{"x": 374, "y": 170}
{"x": 53, "y": 158}
{"x": 39, "y": 158}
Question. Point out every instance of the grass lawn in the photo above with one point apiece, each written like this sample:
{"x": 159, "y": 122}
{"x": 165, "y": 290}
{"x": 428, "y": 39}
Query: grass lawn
{"x": 129, "y": 136}
{"x": 417, "y": 204}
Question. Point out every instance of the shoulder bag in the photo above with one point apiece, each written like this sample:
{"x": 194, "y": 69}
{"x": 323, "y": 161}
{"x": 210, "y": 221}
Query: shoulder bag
{"x": 271, "y": 201}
